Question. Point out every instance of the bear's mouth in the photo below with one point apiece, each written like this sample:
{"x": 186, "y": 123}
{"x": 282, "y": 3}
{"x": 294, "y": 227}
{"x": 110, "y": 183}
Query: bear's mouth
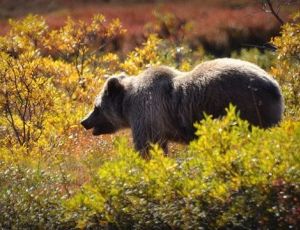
{"x": 106, "y": 128}
{"x": 96, "y": 131}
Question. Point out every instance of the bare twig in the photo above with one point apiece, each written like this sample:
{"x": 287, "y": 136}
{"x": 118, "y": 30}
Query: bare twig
{"x": 275, "y": 14}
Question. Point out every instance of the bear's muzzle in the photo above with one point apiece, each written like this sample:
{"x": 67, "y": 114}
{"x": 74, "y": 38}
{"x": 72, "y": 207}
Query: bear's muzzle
{"x": 87, "y": 122}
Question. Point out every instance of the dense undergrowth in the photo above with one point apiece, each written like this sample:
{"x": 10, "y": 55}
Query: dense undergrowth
{"x": 229, "y": 178}
{"x": 53, "y": 176}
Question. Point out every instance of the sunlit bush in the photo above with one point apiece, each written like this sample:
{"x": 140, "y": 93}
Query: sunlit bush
{"x": 24, "y": 35}
{"x": 25, "y": 96}
{"x": 231, "y": 176}
{"x": 47, "y": 75}
{"x": 169, "y": 26}
{"x": 141, "y": 57}
{"x": 156, "y": 51}
{"x": 86, "y": 46}
{"x": 287, "y": 67}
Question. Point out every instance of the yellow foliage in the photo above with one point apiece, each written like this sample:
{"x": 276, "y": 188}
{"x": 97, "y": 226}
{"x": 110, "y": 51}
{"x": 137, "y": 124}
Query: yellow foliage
{"x": 25, "y": 35}
{"x": 288, "y": 44}
{"x": 140, "y": 58}
{"x": 230, "y": 176}
{"x": 286, "y": 69}
{"x": 48, "y": 77}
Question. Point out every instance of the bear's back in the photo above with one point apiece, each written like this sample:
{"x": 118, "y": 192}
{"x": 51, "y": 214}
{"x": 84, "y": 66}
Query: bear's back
{"x": 212, "y": 85}
{"x": 155, "y": 75}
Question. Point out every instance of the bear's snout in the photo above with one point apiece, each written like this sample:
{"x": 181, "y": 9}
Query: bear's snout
{"x": 87, "y": 122}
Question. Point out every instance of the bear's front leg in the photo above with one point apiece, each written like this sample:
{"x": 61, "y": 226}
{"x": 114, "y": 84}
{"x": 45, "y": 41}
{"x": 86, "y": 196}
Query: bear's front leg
{"x": 142, "y": 142}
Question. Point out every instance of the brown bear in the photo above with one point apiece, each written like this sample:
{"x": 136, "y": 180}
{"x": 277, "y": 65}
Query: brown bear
{"x": 162, "y": 104}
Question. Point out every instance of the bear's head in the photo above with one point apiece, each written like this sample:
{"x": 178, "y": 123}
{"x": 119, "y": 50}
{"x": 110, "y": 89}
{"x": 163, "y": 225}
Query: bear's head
{"x": 107, "y": 116}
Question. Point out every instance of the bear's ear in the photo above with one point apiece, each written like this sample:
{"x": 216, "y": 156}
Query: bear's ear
{"x": 114, "y": 86}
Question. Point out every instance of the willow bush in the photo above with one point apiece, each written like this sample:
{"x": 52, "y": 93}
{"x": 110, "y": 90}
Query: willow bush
{"x": 286, "y": 69}
{"x": 231, "y": 177}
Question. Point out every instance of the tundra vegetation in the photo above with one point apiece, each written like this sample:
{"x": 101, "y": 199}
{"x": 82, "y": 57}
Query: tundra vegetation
{"x": 53, "y": 175}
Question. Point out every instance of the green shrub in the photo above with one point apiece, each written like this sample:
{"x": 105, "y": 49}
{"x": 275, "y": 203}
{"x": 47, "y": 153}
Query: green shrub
{"x": 230, "y": 177}
{"x": 263, "y": 59}
{"x": 31, "y": 198}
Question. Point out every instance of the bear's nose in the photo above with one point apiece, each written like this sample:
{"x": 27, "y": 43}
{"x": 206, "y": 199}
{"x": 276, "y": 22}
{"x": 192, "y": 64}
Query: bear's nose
{"x": 86, "y": 124}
